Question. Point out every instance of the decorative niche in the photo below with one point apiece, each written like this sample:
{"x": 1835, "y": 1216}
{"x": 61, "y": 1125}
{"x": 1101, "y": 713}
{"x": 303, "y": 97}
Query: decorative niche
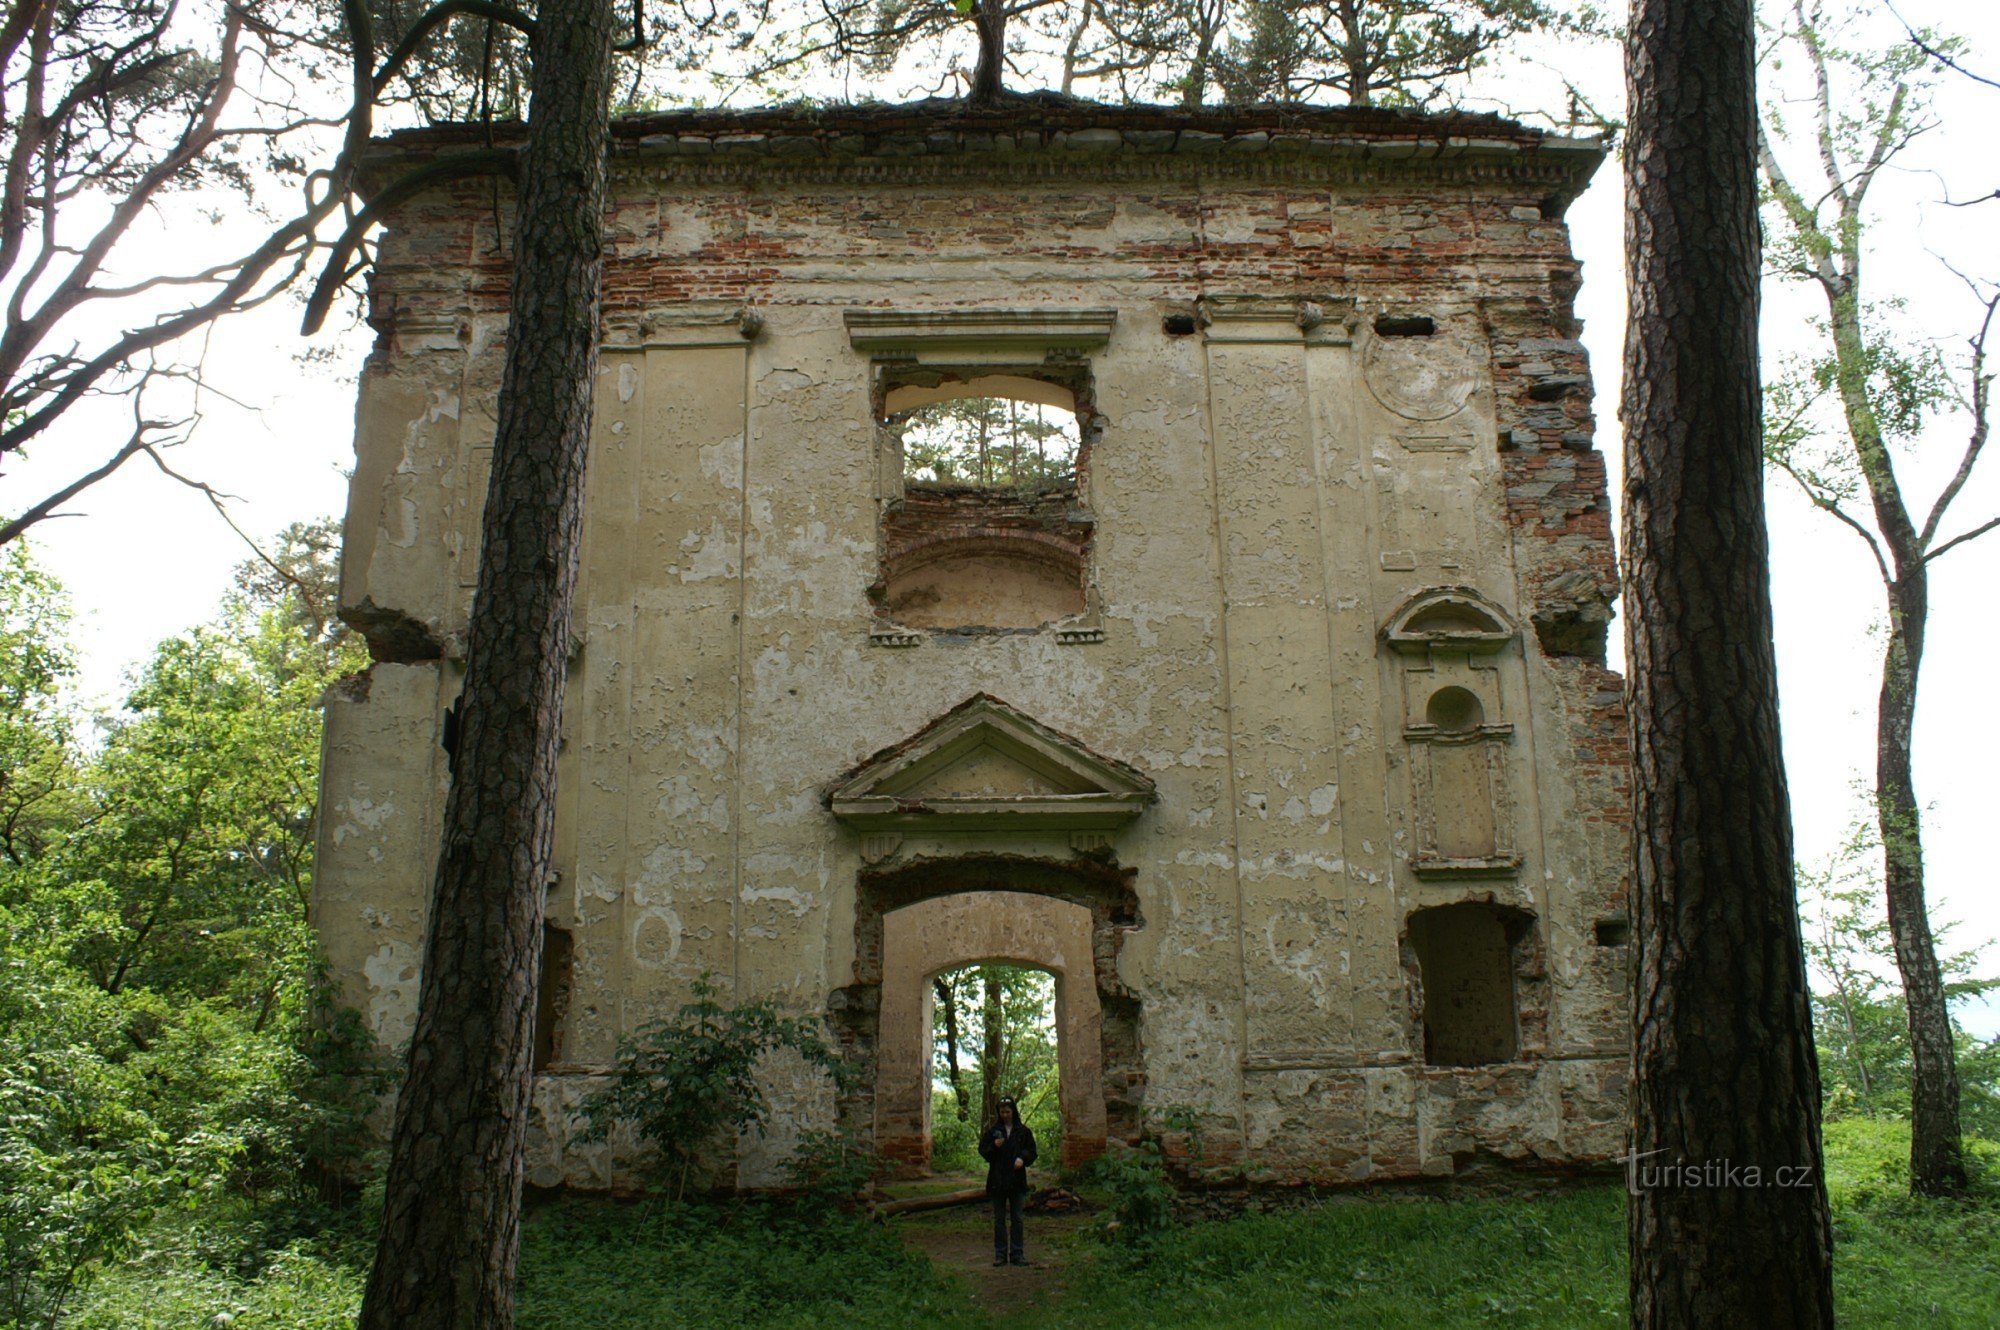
{"x": 985, "y": 422}
{"x": 1449, "y": 644}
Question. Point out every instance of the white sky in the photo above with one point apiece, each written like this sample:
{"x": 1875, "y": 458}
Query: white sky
{"x": 149, "y": 557}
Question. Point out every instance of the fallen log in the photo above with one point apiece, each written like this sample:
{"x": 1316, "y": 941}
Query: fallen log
{"x": 909, "y": 1205}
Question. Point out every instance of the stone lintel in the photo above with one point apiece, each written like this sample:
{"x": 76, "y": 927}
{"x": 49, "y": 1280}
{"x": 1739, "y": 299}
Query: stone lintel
{"x": 979, "y": 334}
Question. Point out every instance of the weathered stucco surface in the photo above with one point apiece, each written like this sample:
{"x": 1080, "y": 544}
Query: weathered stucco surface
{"x": 1336, "y": 661}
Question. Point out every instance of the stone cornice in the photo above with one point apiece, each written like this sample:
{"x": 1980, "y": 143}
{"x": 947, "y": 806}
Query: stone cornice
{"x": 1054, "y": 142}
{"x": 1559, "y": 169}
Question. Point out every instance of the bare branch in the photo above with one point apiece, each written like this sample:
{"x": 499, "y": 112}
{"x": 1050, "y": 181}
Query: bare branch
{"x": 1962, "y": 538}
{"x": 1941, "y": 57}
{"x": 141, "y": 439}
{"x": 435, "y": 17}
{"x": 1819, "y": 498}
{"x": 1979, "y": 404}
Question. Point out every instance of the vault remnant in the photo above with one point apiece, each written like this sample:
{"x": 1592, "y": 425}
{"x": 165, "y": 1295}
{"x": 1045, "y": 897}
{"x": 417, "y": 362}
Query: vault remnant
{"x": 394, "y": 636}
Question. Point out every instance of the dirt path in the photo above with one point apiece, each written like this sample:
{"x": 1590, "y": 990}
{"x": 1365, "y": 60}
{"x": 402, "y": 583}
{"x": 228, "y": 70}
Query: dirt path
{"x": 960, "y": 1241}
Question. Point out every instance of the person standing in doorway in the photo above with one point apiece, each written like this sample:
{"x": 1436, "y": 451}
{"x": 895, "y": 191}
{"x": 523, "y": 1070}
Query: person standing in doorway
{"x": 1008, "y": 1147}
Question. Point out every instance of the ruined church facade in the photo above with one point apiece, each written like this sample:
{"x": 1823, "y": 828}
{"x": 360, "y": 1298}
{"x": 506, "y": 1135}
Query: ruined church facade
{"x": 1271, "y": 718}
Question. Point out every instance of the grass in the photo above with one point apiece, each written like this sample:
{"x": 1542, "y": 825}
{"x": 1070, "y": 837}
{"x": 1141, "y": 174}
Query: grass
{"x": 1903, "y": 1261}
{"x": 610, "y": 1266}
{"x": 1370, "y": 1261}
{"x": 1379, "y": 1260}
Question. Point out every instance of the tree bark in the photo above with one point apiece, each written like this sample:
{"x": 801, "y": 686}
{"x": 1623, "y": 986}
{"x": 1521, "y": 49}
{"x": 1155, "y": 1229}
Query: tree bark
{"x": 947, "y": 993}
{"x": 1937, "y": 1161}
{"x": 993, "y": 1055}
{"x": 1937, "y": 1158}
{"x": 1724, "y": 1075}
{"x": 990, "y": 18}
{"x": 451, "y": 1220}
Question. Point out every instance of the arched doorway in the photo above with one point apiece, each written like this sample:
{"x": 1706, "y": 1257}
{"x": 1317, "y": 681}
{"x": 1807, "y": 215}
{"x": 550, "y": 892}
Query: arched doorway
{"x": 946, "y": 932}
{"x": 881, "y": 1022}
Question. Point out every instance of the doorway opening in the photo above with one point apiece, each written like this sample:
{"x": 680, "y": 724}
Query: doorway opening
{"x": 993, "y": 1035}
{"x": 917, "y": 921}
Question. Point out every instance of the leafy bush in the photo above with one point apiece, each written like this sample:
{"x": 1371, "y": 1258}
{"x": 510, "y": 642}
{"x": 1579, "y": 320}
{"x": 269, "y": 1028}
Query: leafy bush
{"x": 954, "y": 1140}
{"x": 689, "y": 1084}
{"x": 296, "y": 1287}
{"x": 86, "y": 1157}
{"x": 1142, "y": 1197}
{"x": 115, "y": 1108}
{"x": 829, "y": 1167}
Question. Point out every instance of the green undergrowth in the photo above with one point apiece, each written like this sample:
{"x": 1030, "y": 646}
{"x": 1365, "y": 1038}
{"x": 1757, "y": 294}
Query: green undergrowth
{"x": 234, "y": 1265}
{"x": 1386, "y": 1261}
{"x": 1381, "y": 1259}
{"x": 1903, "y": 1261}
{"x": 610, "y": 1265}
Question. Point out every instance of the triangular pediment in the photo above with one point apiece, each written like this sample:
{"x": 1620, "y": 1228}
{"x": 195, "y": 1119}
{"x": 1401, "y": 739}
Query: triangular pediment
{"x": 986, "y": 765}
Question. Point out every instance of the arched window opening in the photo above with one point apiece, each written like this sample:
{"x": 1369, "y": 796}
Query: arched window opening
{"x": 1465, "y": 968}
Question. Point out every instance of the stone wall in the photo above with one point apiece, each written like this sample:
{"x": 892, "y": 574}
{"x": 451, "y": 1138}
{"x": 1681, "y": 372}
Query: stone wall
{"x": 1340, "y": 464}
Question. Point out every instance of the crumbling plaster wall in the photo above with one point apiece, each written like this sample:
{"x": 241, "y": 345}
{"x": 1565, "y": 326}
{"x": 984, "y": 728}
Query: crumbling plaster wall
{"x": 1266, "y": 493}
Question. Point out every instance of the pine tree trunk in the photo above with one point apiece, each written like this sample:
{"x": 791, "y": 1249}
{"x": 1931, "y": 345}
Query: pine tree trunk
{"x": 1724, "y": 1075}
{"x": 1937, "y": 1160}
{"x": 451, "y": 1219}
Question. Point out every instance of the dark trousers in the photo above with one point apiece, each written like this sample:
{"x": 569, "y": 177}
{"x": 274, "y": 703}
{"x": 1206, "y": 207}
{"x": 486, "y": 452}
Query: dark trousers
{"x": 1007, "y": 1213}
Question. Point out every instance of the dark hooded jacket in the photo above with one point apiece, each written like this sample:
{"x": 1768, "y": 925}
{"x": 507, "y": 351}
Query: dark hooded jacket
{"x": 1000, "y": 1148}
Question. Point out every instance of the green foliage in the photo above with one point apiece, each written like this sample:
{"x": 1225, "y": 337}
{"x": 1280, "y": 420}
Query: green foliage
{"x": 1860, "y": 1022}
{"x": 84, "y": 1163}
{"x": 1371, "y": 1260}
{"x": 689, "y": 1085}
{"x": 752, "y": 1264}
{"x": 1394, "y": 52}
{"x": 955, "y": 1139}
{"x": 165, "y": 1036}
{"x": 1005, "y": 1019}
{"x": 829, "y": 1167}
{"x": 172, "y": 1286}
{"x": 1142, "y": 1196}
{"x": 37, "y": 770}
{"x": 1906, "y": 1260}
{"x": 989, "y": 442}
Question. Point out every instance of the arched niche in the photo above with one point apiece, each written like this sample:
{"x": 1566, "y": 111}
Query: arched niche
{"x": 999, "y": 578}
{"x": 943, "y": 933}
